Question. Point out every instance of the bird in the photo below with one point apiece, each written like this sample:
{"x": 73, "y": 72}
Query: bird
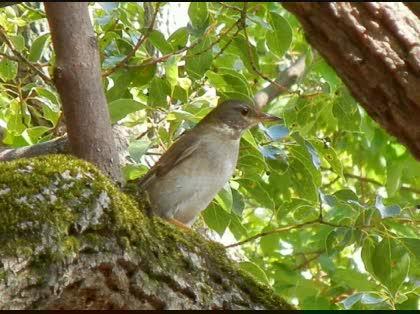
{"x": 187, "y": 177}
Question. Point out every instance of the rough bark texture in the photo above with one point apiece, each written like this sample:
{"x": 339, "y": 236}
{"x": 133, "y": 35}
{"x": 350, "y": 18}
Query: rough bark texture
{"x": 69, "y": 239}
{"x": 78, "y": 80}
{"x": 375, "y": 49}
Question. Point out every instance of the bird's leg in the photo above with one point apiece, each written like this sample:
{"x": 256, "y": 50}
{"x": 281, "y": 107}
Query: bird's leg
{"x": 178, "y": 223}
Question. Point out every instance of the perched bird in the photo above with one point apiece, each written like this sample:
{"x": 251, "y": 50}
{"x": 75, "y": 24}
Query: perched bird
{"x": 196, "y": 167}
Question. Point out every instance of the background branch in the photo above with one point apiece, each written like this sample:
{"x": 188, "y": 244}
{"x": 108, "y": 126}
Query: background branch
{"x": 284, "y": 81}
{"x": 22, "y": 58}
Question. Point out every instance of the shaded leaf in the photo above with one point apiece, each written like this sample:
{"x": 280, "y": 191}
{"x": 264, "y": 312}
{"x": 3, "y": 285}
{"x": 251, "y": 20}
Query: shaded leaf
{"x": 138, "y": 148}
{"x": 390, "y": 263}
{"x": 118, "y": 109}
{"x": 37, "y": 48}
{"x": 198, "y": 60}
{"x": 158, "y": 92}
{"x": 279, "y": 40}
{"x": 216, "y": 218}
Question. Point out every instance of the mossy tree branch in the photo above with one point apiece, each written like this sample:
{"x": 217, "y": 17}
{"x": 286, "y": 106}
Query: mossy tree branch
{"x": 91, "y": 247}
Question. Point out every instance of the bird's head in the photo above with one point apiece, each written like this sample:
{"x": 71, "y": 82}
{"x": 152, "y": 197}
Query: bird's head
{"x": 237, "y": 116}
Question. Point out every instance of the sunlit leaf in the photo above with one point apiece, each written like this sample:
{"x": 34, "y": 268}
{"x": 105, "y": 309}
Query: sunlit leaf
{"x": 255, "y": 271}
{"x": 8, "y": 69}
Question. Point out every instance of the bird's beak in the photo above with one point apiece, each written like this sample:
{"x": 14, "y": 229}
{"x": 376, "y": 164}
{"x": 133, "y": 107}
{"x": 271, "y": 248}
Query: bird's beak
{"x": 265, "y": 117}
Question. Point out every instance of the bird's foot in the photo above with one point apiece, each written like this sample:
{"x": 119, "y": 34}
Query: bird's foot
{"x": 179, "y": 224}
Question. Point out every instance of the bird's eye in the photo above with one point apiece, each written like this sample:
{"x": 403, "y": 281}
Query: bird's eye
{"x": 244, "y": 111}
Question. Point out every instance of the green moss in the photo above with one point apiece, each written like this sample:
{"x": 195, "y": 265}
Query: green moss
{"x": 53, "y": 207}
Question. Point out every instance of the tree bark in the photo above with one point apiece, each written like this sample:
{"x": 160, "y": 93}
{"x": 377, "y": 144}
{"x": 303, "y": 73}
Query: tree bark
{"x": 375, "y": 49}
{"x": 78, "y": 80}
{"x": 74, "y": 241}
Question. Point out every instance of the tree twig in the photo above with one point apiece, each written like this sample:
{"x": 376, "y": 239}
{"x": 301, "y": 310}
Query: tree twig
{"x": 374, "y": 182}
{"x": 277, "y": 230}
{"x": 137, "y": 46}
{"x": 22, "y": 58}
{"x": 309, "y": 260}
{"x": 167, "y": 56}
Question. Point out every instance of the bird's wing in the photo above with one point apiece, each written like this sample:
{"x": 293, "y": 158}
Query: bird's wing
{"x": 176, "y": 154}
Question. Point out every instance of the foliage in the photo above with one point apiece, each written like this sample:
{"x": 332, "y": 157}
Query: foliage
{"x": 326, "y": 205}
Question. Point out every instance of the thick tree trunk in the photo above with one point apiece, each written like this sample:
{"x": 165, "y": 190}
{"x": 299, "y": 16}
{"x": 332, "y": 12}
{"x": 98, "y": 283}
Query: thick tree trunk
{"x": 375, "y": 49}
{"x": 78, "y": 81}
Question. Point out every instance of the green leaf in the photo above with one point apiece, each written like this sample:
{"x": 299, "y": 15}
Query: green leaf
{"x": 216, "y": 218}
{"x": 307, "y": 156}
{"x": 390, "y": 263}
{"x": 270, "y": 243}
{"x": 238, "y": 203}
{"x": 119, "y": 108}
{"x": 337, "y": 240}
{"x": 242, "y": 48}
{"x": 412, "y": 245}
{"x": 322, "y": 68}
{"x": 316, "y": 303}
{"x": 346, "y": 111}
{"x": 224, "y": 198}
{"x": 18, "y": 42}
{"x": 237, "y": 228}
{"x": 353, "y": 279}
{"x": 330, "y": 156}
{"x": 132, "y": 172}
{"x": 138, "y": 148}
{"x": 255, "y": 271}
{"x": 37, "y": 48}
{"x": 158, "y": 91}
{"x": 158, "y": 40}
{"x": 171, "y": 71}
{"x": 302, "y": 181}
{"x": 141, "y": 75}
{"x": 32, "y": 135}
{"x": 393, "y": 176}
{"x": 179, "y": 38}
{"x": 279, "y": 40}
{"x": 228, "y": 82}
{"x": 199, "y": 59}
{"x": 199, "y": 15}
{"x": 258, "y": 191}
{"x": 44, "y": 92}
{"x": 8, "y": 69}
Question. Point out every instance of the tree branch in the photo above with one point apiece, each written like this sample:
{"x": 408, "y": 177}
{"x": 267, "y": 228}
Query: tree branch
{"x": 284, "y": 81}
{"x": 56, "y": 146}
{"x": 22, "y": 58}
{"x": 374, "y": 48}
{"x": 78, "y": 81}
{"x": 277, "y": 230}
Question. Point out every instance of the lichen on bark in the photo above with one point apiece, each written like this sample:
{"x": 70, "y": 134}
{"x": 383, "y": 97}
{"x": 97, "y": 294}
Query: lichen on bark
{"x": 71, "y": 239}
